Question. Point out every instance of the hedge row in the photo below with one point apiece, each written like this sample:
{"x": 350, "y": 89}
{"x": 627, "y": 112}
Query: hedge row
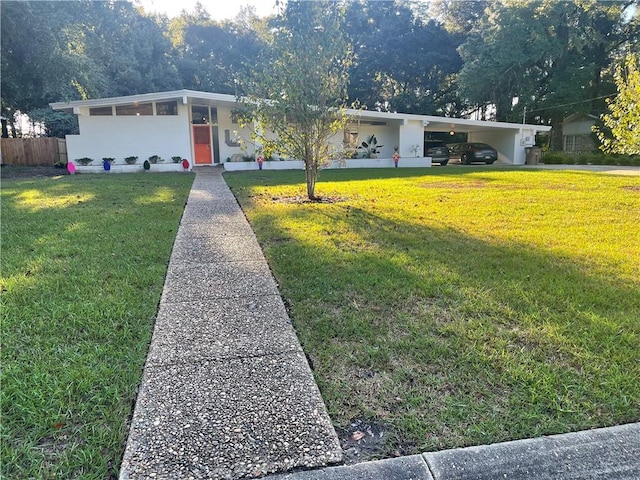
{"x": 590, "y": 158}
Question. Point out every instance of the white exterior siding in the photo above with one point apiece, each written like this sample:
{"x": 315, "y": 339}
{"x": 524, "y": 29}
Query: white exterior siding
{"x": 123, "y": 136}
{"x": 411, "y": 141}
{"x": 235, "y": 136}
{"x": 507, "y": 143}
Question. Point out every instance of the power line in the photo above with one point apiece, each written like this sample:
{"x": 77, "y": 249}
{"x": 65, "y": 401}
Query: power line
{"x": 573, "y": 103}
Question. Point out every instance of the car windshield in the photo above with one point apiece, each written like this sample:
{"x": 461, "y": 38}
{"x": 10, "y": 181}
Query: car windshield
{"x": 480, "y": 145}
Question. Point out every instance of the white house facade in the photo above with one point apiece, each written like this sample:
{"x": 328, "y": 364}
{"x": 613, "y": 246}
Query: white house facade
{"x": 200, "y": 127}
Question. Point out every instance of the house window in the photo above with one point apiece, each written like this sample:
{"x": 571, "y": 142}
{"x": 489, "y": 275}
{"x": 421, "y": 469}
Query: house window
{"x": 569, "y": 143}
{"x": 135, "y": 109}
{"x": 167, "y": 108}
{"x": 578, "y": 143}
{"x": 101, "y": 111}
{"x": 199, "y": 115}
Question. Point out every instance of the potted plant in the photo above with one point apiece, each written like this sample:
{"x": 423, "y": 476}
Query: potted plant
{"x": 176, "y": 159}
{"x": 84, "y": 161}
{"x": 370, "y": 148}
{"x": 131, "y": 160}
{"x": 155, "y": 159}
{"x": 106, "y": 163}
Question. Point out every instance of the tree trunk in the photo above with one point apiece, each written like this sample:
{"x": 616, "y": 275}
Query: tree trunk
{"x": 556, "y": 133}
{"x": 311, "y": 173}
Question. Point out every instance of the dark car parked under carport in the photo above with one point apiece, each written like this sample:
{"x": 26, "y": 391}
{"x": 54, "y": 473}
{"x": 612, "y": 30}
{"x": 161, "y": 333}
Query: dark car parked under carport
{"x": 470, "y": 152}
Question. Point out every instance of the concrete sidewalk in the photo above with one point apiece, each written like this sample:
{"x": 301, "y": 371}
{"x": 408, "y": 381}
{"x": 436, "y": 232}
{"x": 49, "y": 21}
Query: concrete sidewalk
{"x": 227, "y": 392}
{"x": 601, "y": 454}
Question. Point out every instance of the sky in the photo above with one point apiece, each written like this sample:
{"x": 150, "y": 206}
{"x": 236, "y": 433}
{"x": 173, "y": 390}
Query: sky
{"x": 218, "y": 9}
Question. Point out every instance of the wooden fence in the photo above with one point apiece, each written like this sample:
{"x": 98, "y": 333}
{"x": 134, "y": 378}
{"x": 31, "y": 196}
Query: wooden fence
{"x": 33, "y": 151}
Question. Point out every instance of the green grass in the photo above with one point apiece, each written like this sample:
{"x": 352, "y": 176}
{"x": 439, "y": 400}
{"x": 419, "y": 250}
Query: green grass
{"x": 83, "y": 265}
{"x": 460, "y": 307}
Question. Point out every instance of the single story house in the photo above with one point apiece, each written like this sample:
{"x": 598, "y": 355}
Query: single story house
{"x": 200, "y": 127}
{"x": 577, "y": 133}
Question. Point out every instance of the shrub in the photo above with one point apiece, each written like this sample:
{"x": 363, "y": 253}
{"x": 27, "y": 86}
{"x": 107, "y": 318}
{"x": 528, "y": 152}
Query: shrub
{"x": 155, "y": 159}
{"x": 84, "y": 161}
{"x": 108, "y": 159}
{"x": 554, "y": 158}
{"x": 176, "y": 159}
{"x": 131, "y": 160}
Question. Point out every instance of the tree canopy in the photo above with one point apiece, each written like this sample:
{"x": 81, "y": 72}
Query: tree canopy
{"x": 623, "y": 118}
{"x": 494, "y": 59}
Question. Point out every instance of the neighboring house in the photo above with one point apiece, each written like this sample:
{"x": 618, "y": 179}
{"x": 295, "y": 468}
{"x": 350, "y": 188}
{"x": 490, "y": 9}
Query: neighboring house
{"x": 200, "y": 127}
{"x": 577, "y": 134}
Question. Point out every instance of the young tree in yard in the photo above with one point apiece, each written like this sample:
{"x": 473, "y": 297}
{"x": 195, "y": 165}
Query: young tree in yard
{"x": 623, "y": 118}
{"x": 298, "y": 93}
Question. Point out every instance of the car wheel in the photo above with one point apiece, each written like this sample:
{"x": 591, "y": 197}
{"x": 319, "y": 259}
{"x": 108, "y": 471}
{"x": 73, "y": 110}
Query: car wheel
{"x": 464, "y": 160}
{"x": 490, "y": 162}
{"x": 442, "y": 164}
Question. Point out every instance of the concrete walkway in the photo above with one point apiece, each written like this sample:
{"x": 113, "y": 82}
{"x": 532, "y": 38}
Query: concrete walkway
{"x": 227, "y": 392}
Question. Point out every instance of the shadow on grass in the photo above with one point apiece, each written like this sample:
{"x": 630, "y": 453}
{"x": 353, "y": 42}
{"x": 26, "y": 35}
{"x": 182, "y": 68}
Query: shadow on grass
{"x": 451, "y": 340}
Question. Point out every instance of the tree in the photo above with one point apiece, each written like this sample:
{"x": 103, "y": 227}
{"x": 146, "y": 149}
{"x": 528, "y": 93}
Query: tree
{"x": 552, "y": 56}
{"x": 65, "y": 50}
{"x": 298, "y": 95}
{"x": 210, "y": 55}
{"x": 623, "y": 118}
{"x": 420, "y": 79}
{"x": 55, "y": 123}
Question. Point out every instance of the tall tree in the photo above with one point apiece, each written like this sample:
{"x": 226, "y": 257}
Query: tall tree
{"x": 42, "y": 61}
{"x": 623, "y": 119}
{"x": 69, "y": 50}
{"x": 417, "y": 80}
{"x": 551, "y": 56}
{"x": 299, "y": 90}
{"x": 211, "y": 56}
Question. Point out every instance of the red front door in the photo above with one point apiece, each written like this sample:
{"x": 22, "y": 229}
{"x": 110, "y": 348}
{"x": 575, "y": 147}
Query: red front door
{"x": 202, "y": 144}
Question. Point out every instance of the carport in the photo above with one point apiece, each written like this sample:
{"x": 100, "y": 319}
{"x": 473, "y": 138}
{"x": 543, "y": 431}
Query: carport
{"x": 510, "y": 139}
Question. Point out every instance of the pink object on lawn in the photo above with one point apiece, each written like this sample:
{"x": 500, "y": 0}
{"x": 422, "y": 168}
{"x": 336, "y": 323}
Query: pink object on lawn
{"x": 71, "y": 168}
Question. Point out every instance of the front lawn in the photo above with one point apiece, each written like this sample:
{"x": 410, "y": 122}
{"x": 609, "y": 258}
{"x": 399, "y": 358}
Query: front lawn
{"x": 83, "y": 265}
{"x": 447, "y": 307}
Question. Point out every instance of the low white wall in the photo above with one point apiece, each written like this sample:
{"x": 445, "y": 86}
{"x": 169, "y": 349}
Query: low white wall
{"x": 351, "y": 163}
{"x": 135, "y": 168}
